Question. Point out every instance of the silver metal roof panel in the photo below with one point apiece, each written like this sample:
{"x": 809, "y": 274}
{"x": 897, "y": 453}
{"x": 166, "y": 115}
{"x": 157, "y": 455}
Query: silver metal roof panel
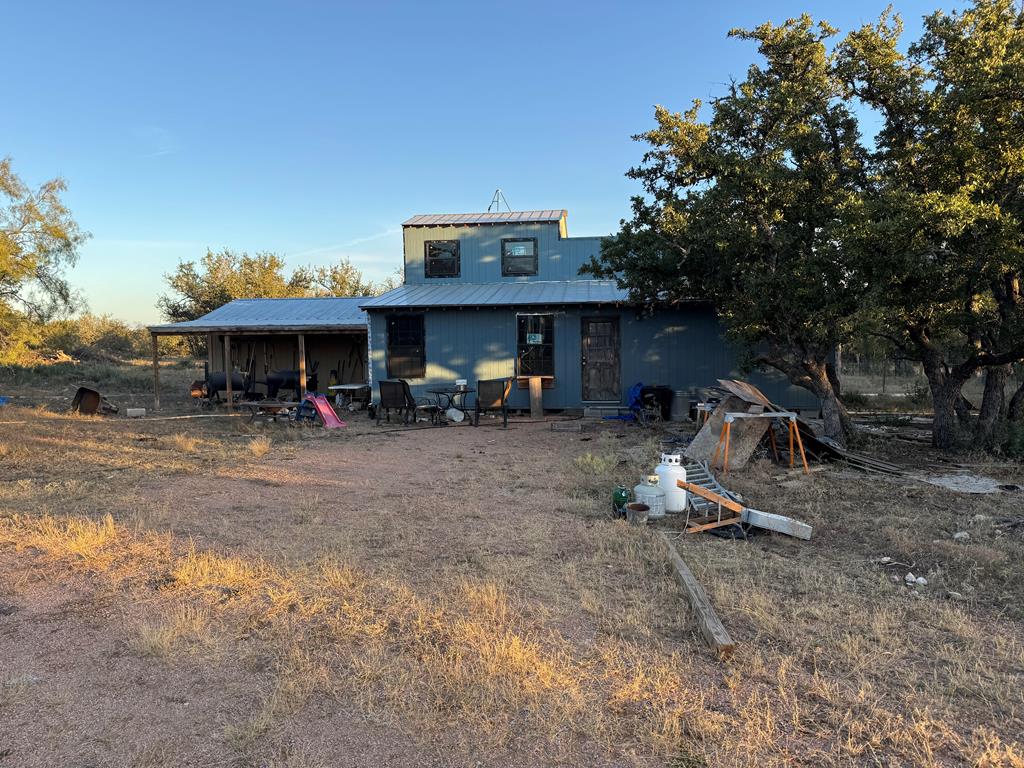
{"x": 501, "y": 294}
{"x": 342, "y": 313}
{"x": 508, "y": 217}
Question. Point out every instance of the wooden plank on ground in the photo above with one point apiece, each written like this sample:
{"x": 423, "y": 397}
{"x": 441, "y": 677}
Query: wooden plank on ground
{"x": 711, "y": 496}
{"x": 707, "y": 620}
{"x": 779, "y": 523}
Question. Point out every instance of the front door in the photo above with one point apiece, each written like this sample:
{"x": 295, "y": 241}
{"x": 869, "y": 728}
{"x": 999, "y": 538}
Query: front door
{"x": 600, "y": 337}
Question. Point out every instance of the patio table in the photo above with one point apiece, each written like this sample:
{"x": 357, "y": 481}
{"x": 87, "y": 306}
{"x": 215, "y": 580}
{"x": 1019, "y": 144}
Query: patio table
{"x": 344, "y": 393}
{"x": 451, "y": 398}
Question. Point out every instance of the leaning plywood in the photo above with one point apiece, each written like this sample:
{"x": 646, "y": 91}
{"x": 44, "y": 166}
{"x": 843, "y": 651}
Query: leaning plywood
{"x": 745, "y": 436}
{"x": 707, "y": 620}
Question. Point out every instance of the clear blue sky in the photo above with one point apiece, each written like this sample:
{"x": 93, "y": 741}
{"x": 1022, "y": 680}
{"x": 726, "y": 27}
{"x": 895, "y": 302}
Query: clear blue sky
{"x": 314, "y": 129}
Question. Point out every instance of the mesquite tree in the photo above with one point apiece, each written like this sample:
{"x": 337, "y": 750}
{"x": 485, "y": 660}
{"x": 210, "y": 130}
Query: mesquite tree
{"x": 750, "y": 210}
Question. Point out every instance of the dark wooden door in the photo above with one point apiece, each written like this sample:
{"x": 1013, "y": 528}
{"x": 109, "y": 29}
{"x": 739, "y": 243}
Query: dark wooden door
{"x": 600, "y": 336}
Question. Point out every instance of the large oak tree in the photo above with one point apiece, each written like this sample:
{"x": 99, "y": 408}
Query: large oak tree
{"x": 750, "y": 209}
{"x": 945, "y": 244}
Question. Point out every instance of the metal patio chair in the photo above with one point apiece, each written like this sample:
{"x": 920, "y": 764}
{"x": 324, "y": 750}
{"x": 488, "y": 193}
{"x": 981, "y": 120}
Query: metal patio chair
{"x": 492, "y": 395}
{"x": 395, "y": 395}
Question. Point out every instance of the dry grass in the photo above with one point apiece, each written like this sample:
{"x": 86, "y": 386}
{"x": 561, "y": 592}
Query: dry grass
{"x": 14, "y": 689}
{"x": 184, "y": 443}
{"x": 471, "y": 656}
{"x": 184, "y": 626}
{"x": 260, "y": 446}
{"x": 580, "y": 654}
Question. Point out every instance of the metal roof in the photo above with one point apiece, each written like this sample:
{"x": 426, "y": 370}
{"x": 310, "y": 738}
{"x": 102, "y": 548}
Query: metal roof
{"x": 508, "y": 217}
{"x": 501, "y": 294}
{"x": 332, "y": 312}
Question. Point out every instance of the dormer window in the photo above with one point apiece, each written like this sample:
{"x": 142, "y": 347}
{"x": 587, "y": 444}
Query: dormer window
{"x": 441, "y": 258}
{"x": 518, "y": 256}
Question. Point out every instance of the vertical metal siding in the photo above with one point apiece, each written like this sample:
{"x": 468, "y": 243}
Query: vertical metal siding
{"x": 559, "y": 258}
{"x": 683, "y": 349}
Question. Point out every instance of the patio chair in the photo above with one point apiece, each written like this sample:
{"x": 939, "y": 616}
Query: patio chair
{"x": 492, "y": 395}
{"x": 395, "y": 395}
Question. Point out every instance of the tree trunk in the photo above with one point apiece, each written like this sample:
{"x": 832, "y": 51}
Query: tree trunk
{"x": 945, "y": 424}
{"x": 824, "y": 384}
{"x": 993, "y": 405}
{"x": 946, "y": 385}
{"x": 1015, "y": 411}
{"x": 817, "y": 375}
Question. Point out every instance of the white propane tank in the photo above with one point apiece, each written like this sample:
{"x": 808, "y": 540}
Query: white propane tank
{"x": 648, "y": 492}
{"x": 670, "y": 470}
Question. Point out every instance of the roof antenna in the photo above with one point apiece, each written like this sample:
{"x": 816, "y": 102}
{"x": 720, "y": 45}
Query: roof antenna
{"x": 496, "y": 202}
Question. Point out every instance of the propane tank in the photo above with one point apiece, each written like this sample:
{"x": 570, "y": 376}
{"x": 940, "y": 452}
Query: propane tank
{"x": 670, "y": 470}
{"x": 648, "y": 492}
{"x": 620, "y": 498}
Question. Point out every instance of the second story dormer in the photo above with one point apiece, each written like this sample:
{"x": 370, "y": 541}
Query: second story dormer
{"x": 516, "y": 246}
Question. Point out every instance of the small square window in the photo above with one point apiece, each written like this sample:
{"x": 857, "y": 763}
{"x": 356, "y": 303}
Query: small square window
{"x": 518, "y": 256}
{"x": 441, "y": 258}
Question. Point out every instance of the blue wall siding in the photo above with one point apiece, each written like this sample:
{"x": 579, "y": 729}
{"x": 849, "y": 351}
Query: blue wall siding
{"x": 480, "y": 252}
{"x": 681, "y": 348}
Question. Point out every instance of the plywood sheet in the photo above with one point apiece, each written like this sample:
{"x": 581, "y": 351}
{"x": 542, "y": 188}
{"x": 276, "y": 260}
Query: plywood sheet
{"x": 745, "y": 436}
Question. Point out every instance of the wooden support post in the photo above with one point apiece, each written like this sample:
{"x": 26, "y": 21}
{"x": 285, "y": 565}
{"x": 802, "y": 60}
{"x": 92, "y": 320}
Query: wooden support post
{"x": 536, "y": 398}
{"x": 227, "y": 369}
{"x": 707, "y": 620}
{"x": 156, "y": 374}
{"x": 302, "y": 366}
{"x": 800, "y": 443}
{"x": 728, "y": 437}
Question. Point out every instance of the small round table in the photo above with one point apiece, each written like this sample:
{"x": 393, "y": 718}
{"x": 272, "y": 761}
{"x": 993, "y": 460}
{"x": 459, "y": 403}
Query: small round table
{"x": 451, "y": 398}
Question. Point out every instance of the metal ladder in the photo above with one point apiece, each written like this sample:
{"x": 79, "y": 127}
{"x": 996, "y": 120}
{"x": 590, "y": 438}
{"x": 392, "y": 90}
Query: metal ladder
{"x": 703, "y": 514}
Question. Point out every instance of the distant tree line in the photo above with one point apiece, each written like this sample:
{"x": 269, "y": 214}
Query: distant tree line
{"x": 770, "y": 203}
{"x": 39, "y": 240}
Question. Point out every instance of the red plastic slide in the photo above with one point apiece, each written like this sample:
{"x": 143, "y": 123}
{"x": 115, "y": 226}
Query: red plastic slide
{"x": 323, "y": 408}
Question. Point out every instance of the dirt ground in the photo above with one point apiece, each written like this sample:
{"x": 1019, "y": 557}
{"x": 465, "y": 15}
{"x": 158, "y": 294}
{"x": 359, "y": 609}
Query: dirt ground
{"x": 209, "y": 592}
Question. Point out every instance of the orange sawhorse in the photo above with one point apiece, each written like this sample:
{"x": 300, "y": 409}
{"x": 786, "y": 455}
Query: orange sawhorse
{"x": 794, "y": 434}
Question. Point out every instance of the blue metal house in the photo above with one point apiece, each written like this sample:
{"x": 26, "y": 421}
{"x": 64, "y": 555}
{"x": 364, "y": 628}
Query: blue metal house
{"x": 490, "y": 295}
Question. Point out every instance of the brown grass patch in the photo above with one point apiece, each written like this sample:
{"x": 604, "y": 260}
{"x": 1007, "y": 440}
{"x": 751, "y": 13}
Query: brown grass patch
{"x": 260, "y": 446}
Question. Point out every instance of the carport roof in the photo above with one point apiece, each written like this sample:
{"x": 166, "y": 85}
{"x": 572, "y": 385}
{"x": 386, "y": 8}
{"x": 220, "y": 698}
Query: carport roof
{"x": 276, "y": 315}
{"x": 535, "y": 292}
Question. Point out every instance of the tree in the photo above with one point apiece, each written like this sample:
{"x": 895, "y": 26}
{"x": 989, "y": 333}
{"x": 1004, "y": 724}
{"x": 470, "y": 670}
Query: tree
{"x": 226, "y": 275}
{"x": 751, "y": 210}
{"x": 342, "y": 279}
{"x": 39, "y": 239}
{"x": 944, "y": 246}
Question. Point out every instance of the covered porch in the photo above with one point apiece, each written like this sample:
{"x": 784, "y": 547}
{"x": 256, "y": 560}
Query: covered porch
{"x": 260, "y": 347}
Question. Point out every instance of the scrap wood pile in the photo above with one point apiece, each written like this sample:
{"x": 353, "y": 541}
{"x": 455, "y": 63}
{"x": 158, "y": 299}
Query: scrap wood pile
{"x": 743, "y": 421}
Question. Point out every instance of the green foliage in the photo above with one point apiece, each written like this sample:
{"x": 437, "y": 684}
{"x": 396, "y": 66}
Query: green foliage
{"x": 943, "y": 248}
{"x": 226, "y": 275}
{"x": 107, "y": 376}
{"x": 345, "y": 279}
{"x": 38, "y": 240}
{"x": 221, "y": 277}
{"x": 103, "y": 338}
{"x": 600, "y": 464}
{"x": 752, "y": 208}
